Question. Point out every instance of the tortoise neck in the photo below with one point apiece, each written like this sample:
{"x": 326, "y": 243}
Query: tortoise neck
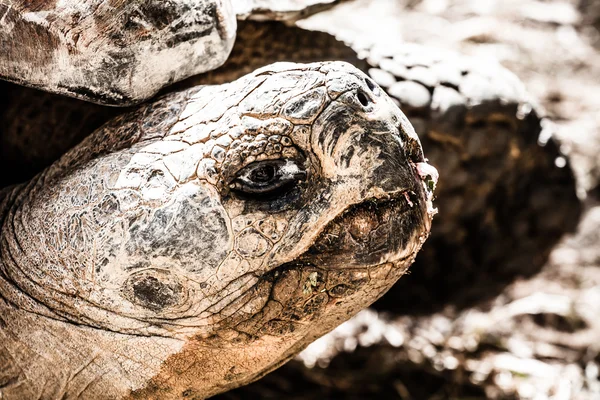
{"x": 49, "y": 359}
{"x": 11, "y": 292}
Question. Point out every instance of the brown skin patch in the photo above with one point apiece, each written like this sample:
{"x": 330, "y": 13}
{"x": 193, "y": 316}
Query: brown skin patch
{"x": 207, "y": 366}
{"x": 171, "y": 385}
{"x": 202, "y": 362}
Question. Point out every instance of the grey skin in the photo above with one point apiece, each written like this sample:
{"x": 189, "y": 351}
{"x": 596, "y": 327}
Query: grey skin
{"x": 200, "y": 241}
{"x": 112, "y": 52}
{"x": 122, "y": 52}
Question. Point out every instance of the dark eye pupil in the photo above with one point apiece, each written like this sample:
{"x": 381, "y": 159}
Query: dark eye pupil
{"x": 263, "y": 174}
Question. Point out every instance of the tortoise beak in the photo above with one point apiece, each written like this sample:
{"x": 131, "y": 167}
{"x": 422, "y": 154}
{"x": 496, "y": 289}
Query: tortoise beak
{"x": 427, "y": 172}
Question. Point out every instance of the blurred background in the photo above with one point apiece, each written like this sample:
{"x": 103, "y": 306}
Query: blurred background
{"x": 535, "y": 336}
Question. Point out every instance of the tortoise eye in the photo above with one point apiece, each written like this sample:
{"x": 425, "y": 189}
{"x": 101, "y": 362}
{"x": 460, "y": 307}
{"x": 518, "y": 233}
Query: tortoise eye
{"x": 269, "y": 177}
{"x": 263, "y": 174}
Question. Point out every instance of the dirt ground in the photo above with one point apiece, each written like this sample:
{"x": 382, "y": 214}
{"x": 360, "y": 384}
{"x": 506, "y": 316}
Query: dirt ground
{"x": 540, "y": 339}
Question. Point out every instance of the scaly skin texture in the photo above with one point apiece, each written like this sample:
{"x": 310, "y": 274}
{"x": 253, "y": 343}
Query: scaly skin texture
{"x": 112, "y": 52}
{"x": 36, "y": 128}
{"x": 143, "y": 264}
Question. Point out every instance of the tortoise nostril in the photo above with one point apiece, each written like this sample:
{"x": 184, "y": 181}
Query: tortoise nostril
{"x": 371, "y": 85}
{"x": 363, "y": 98}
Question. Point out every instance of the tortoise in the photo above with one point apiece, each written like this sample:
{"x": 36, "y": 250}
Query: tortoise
{"x": 490, "y": 141}
{"x": 64, "y": 122}
{"x": 194, "y": 243}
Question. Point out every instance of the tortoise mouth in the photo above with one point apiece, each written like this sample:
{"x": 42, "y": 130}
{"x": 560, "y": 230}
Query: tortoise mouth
{"x": 375, "y": 231}
{"x": 356, "y": 258}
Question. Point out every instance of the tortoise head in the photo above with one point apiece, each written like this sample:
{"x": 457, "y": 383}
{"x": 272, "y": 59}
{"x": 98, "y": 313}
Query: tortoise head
{"x": 327, "y": 198}
{"x": 243, "y": 220}
{"x": 308, "y": 197}
{"x": 293, "y": 195}
{"x": 334, "y": 212}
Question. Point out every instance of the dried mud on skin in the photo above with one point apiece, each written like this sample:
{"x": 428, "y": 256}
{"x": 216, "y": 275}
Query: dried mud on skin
{"x": 538, "y": 338}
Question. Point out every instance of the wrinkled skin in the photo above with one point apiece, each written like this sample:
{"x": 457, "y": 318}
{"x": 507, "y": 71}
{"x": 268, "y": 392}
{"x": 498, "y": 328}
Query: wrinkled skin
{"x": 121, "y": 53}
{"x": 112, "y": 52}
{"x": 144, "y": 264}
